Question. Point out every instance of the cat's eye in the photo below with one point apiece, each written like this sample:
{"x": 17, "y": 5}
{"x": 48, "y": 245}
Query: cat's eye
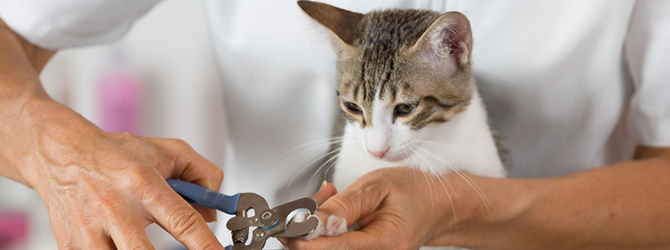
{"x": 354, "y": 108}
{"x": 404, "y": 109}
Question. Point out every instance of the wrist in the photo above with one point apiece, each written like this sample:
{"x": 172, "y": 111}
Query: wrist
{"x": 14, "y": 104}
{"x": 36, "y": 130}
{"x": 482, "y": 206}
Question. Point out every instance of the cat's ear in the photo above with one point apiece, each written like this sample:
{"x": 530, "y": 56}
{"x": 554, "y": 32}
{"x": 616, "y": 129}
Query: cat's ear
{"x": 342, "y": 23}
{"x": 447, "y": 40}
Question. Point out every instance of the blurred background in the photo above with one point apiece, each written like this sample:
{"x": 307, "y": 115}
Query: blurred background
{"x": 160, "y": 80}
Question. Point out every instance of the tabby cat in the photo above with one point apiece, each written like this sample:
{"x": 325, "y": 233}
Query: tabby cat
{"x": 407, "y": 91}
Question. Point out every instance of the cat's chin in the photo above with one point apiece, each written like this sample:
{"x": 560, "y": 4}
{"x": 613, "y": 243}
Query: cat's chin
{"x": 393, "y": 158}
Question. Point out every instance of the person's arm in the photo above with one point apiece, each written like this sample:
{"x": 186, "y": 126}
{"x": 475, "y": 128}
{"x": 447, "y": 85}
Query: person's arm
{"x": 621, "y": 206}
{"x": 101, "y": 189}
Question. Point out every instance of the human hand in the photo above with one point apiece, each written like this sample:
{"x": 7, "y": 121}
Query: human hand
{"x": 102, "y": 189}
{"x": 396, "y": 208}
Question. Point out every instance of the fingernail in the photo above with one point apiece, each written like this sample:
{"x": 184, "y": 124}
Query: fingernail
{"x": 323, "y": 185}
{"x": 214, "y": 216}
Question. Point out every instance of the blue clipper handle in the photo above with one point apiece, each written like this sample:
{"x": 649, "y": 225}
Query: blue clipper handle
{"x": 203, "y": 197}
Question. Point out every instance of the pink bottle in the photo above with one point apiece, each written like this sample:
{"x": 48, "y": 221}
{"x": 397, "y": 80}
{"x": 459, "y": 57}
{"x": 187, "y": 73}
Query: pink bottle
{"x": 13, "y": 230}
{"x": 120, "y": 92}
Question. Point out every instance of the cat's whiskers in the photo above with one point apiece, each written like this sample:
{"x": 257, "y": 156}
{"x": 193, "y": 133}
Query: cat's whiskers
{"x": 314, "y": 146}
{"x": 334, "y": 151}
{"x": 332, "y": 165}
{"x": 467, "y": 179}
{"x": 428, "y": 180}
{"x": 430, "y": 165}
{"x": 413, "y": 158}
{"x": 433, "y": 171}
{"x": 440, "y": 144}
{"x": 332, "y": 159}
{"x": 448, "y": 146}
{"x": 332, "y": 140}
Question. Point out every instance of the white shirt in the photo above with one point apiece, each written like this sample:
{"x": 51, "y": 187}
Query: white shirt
{"x": 570, "y": 85}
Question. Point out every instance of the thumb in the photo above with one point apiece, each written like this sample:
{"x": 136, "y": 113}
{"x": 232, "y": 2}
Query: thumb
{"x": 326, "y": 191}
{"x": 356, "y": 202}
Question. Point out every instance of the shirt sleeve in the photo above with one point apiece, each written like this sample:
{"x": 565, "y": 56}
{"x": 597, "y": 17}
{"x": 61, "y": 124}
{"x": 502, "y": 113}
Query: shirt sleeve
{"x": 72, "y": 23}
{"x": 647, "y": 51}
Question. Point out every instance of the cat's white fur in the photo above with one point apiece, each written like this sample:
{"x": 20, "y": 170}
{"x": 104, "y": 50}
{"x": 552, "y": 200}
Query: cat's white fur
{"x": 465, "y": 142}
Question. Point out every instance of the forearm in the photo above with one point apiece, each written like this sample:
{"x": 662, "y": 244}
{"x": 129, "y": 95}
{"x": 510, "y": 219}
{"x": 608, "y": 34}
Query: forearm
{"x": 20, "y": 64}
{"x": 621, "y": 206}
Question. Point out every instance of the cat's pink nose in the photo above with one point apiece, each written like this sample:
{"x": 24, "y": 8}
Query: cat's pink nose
{"x": 378, "y": 154}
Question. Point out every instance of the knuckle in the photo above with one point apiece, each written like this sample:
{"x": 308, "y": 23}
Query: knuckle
{"x": 107, "y": 202}
{"x": 346, "y": 203}
{"x": 128, "y": 136}
{"x": 180, "y": 143}
{"x": 182, "y": 223}
{"x": 217, "y": 175}
{"x": 134, "y": 177}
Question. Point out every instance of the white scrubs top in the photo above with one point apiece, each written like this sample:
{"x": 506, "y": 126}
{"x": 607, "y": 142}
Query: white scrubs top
{"x": 570, "y": 85}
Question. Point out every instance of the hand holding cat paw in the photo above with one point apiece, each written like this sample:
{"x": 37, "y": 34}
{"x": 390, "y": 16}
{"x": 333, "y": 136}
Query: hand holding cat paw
{"x": 394, "y": 212}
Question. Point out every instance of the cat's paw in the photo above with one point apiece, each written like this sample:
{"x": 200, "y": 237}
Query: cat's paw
{"x": 333, "y": 226}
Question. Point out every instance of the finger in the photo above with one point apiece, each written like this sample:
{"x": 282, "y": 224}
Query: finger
{"x": 78, "y": 234}
{"x": 209, "y": 215}
{"x": 356, "y": 202}
{"x": 85, "y": 241}
{"x": 179, "y": 219}
{"x": 62, "y": 234}
{"x": 326, "y": 191}
{"x": 190, "y": 166}
{"x": 133, "y": 237}
{"x": 350, "y": 241}
{"x": 380, "y": 234}
{"x": 363, "y": 222}
{"x": 187, "y": 164}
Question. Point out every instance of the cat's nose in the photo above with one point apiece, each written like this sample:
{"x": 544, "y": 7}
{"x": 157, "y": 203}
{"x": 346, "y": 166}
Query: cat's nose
{"x": 378, "y": 154}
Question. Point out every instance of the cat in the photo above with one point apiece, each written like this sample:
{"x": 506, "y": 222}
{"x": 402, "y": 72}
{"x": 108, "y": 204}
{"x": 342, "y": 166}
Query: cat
{"x": 406, "y": 89}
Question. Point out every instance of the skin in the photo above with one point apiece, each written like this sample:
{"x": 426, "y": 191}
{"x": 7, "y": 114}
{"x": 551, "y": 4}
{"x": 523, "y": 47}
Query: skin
{"x": 619, "y": 206}
{"x": 101, "y": 189}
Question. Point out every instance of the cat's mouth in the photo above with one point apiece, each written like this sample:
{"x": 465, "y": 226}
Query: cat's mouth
{"x": 397, "y": 155}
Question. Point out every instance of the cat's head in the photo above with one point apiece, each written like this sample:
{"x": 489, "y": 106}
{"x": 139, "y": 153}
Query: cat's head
{"x": 399, "y": 72}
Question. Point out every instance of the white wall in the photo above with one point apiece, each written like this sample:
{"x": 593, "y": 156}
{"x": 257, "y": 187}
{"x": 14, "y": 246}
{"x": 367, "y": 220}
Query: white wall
{"x": 169, "y": 48}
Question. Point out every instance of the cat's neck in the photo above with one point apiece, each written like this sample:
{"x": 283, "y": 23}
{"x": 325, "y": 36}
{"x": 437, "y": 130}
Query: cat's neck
{"x": 471, "y": 147}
